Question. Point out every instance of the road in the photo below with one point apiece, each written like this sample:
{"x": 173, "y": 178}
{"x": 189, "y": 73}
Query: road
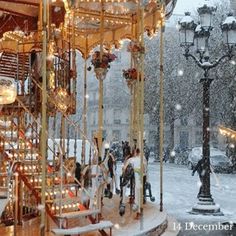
{"x": 180, "y": 191}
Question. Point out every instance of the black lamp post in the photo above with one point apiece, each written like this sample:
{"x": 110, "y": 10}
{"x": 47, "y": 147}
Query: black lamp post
{"x": 191, "y": 34}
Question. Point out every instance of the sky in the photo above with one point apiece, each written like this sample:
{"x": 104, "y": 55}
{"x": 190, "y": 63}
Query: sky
{"x": 187, "y": 5}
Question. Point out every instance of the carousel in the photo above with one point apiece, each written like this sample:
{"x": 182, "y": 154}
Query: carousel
{"x": 44, "y": 189}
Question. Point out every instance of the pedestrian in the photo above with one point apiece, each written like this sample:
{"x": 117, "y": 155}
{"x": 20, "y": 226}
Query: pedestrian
{"x": 200, "y": 170}
{"x": 146, "y": 151}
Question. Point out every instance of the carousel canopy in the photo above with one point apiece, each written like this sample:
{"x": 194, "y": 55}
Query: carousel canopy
{"x": 22, "y": 17}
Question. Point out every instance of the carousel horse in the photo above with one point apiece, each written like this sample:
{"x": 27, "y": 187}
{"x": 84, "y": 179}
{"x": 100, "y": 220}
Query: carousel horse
{"x": 109, "y": 168}
{"x": 93, "y": 179}
{"x": 130, "y": 178}
{"x": 127, "y": 178}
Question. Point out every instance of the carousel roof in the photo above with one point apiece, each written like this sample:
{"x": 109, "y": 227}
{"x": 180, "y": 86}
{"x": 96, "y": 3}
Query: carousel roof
{"x": 20, "y": 18}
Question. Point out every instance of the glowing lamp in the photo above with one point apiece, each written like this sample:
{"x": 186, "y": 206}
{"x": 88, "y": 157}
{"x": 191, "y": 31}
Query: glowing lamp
{"x": 62, "y": 99}
{"x": 8, "y": 91}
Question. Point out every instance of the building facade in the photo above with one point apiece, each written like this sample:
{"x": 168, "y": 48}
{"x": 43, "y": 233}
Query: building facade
{"x": 116, "y": 103}
{"x": 233, "y": 5}
{"x": 188, "y": 134}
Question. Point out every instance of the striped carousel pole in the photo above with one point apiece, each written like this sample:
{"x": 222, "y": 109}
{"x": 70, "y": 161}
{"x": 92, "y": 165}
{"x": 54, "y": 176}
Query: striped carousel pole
{"x": 141, "y": 113}
{"x": 43, "y": 137}
{"x": 100, "y": 99}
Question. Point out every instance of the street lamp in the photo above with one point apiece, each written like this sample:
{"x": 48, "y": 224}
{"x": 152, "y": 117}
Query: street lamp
{"x": 198, "y": 35}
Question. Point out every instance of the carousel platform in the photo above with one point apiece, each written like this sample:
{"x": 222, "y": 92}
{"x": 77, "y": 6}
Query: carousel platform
{"x": 153, "y": 223}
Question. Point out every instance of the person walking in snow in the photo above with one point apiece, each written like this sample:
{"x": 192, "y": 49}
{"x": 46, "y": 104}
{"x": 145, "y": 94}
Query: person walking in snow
{"x": 200, "y": 170}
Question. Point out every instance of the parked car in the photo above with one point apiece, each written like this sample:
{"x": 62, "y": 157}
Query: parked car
{"x": 219, "y": 161}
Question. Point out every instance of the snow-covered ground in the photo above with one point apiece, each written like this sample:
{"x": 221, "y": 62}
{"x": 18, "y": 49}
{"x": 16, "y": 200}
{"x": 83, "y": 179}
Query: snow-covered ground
{"x": 180, "y": 191}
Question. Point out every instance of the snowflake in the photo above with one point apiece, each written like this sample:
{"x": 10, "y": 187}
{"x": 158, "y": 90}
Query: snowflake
{"x": 178, "y": 107}
{"x": 117, "y": 226}
{"x": 41, "y": 207}
{"x": 172, "y": 153}
{"x": 180, "y": 72}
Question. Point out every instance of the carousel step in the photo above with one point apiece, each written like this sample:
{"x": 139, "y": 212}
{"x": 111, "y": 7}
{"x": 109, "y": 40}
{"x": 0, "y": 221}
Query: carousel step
{"x": 3, "y": 189}
{"x": 63, "y": 201}
{"x": 56, "y": 187}
{"x": 77, "y": 214}
{"x": 2, "y": 197}
{"x": 84, "y": 229}
{"x": 3, "y": 174}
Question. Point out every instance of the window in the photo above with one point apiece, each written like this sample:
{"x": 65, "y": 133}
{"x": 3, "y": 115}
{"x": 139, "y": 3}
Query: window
{"x": 198, "y": 138}
{"x": 96, "y": 96}
{"x": 118, "y": 55}
{"x": 214, "y": 138}
{"x": 117, "y": 121}
{"x": 116, "y": 135}
{"x": 104, "y": 134}
{"x": 183, "y": 140}
{"x": 184, "y": 121}
{"x": 117, "y": 116}
{"x": 93, "y": 118}
{"x": 198, "y": 122}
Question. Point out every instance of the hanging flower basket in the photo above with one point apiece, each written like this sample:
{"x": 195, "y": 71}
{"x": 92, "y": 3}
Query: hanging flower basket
{"x": 136, "y": 50}
{"x": 100, "y": 73}
{"x": 131, "y": 75}
{"x": 101, "y": 65}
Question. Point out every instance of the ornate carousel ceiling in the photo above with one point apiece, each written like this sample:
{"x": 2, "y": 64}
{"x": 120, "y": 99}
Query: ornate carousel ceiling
{"x": 21, "y": 17}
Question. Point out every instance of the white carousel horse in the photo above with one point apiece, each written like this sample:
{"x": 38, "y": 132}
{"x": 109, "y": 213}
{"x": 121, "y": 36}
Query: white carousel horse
{"x": 95, "y": 174}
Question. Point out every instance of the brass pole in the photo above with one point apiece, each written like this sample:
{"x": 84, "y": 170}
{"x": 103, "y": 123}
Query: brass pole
{"x": 131, "y": 114}
{"x": 161, "y": 105}
{"x": 100, "y": 99}
{"x": 62, "y": 156}
{"x": 135, "y": 109}
{"x": 141, "y": 125}
{"x": 16, "y": 203}
{"x": 44, "y": 117}
{"x": 100, "y": 117}
{"x": 40, "y": 22}
{"x": 131, "y": 128}
{"x": 85, "y": 106}
{"x": 74, "y": 54}
{"x": 136, "y": 134}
